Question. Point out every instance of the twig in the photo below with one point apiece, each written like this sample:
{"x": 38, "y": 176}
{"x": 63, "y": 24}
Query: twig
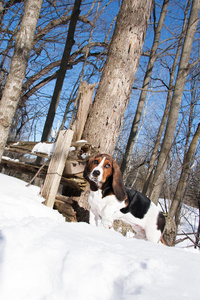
{"x": 191, "y": 233}
{"x": 191, "y": 240}
{"x": 37, "y": 173}
{"x": 181, "y": 240}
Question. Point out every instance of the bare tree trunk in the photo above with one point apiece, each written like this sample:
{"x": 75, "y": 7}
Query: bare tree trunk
{"x": 176, "y": 101}
{"x": 114, "y": 91}
{"x": 185, "y": 173}
{"x": 147, "y": 78}
{"x": 198, "y": 230}
{"x": 1, "y": 11}
{"x": 62, "y": 71}
{"x": 171, "y": 226}
{"x": 77, "y": 100}
{"x": 149, "y": 175}
{"x": 13, "y": 85}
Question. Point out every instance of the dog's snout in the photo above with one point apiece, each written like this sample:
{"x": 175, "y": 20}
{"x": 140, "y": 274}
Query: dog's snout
{"x": 96, "y": 173}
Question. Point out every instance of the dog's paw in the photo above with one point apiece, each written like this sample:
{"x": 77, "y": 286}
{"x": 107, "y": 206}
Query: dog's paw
{"x": 107, "y": 223}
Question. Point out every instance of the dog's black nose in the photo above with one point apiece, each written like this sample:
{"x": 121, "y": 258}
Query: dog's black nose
{"x": 96, "y": 173}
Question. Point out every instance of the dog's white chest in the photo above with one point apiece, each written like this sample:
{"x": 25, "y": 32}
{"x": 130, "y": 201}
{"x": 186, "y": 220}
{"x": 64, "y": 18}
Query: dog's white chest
{"x": 98, "y": 203}
{"x": 104, "y": 207}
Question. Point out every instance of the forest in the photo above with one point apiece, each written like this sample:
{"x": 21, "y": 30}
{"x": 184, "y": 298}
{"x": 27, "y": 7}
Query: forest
{"x": 142, "y": 60}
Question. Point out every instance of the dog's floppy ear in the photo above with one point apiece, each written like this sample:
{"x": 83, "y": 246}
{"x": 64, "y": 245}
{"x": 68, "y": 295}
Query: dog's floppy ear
{"x": 87, "y": 170}
{"x": 86, "y": 173}
{"x": 117, "y": 184}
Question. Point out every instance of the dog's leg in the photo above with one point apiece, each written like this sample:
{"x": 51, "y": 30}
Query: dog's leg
{"x": 153, "y": 235}
{"x": 139, "y": 232}
{"x": 107, "y": 223}
{"x": 94, "y": 218}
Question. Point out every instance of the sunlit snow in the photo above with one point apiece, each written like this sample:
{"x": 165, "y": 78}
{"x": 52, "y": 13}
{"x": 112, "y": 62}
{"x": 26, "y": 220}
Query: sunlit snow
{"x": 44, "y": 258}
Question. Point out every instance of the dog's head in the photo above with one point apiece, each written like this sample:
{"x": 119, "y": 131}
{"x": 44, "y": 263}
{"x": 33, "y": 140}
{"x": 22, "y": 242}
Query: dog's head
{"x": 100, "y": 171}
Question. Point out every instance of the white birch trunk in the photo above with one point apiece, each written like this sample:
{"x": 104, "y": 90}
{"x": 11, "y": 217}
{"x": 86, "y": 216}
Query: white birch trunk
{"x": 14, "y": 81}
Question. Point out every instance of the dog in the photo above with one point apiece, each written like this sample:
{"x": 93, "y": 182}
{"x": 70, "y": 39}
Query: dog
{"x": 110, "y": 200}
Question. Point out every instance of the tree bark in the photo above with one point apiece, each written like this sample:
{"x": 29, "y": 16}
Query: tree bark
{"x": 114, "y": 90}
{"x": 13, "y": 85}
{"x": 147, "y": 78}
{"x": 178, "y": 197}
{"x": 198, "y": 230}
{"x": 171, "y": 225}
{"x": 86, "y": 92}
{"x": 62, "y": 71}
{"x": 176, "y": 101}
{"x": 149, "y": 175}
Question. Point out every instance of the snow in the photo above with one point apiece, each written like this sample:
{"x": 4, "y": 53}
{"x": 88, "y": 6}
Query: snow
{"x": 47, "y": 148}
{"x": 11, "y": 159}
{"x": 44, "y": 258}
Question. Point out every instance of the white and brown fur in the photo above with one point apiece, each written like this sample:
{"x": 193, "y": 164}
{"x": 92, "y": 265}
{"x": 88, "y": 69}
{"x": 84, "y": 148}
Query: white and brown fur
{"x": 109, "y": 200}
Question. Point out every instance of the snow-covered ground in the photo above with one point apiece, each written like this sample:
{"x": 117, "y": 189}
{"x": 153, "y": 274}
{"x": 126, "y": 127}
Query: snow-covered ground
{"x": 44, "y": 258}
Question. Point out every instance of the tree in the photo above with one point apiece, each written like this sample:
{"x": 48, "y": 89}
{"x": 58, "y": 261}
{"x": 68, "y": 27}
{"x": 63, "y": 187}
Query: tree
{"x": 149, "y": 174}
{"x": 114, "y": 90}
{"x": 175, "y": 103}
{"x": 171, "y": 227}
{"x": 62, "y": 71}
{"x": 147, "y": 78}
{"x": 14, "y": 81}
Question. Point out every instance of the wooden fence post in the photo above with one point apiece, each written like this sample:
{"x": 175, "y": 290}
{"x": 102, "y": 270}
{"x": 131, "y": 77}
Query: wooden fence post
{"x": 56, "y": 167}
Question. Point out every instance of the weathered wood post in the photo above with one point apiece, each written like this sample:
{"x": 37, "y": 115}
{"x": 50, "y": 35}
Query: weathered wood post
{"x": 86, "y": 93}
{"x": 56, "y": 167}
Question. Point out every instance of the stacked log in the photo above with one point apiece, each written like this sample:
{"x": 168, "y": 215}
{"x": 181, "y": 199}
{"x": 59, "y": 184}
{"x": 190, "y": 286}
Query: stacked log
{"x": 72, "y": 202}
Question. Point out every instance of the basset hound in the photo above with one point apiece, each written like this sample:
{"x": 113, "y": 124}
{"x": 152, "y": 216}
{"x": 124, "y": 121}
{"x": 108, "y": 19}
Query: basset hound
{"x": 110, "y": 200}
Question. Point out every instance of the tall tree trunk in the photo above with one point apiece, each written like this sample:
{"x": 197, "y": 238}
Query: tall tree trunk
{"x": 114, "y": 90}
{"x": 176, "y": 101}
{"x": 62, "y": 71}
{"x": 149, "y": 175}
{"x": 1, "y": 11}
{"x": 147, "y": 78}
{"x": 198, "y": 230}
{"x": 13, "y": 85}
{"x": 76, "y": 102}
{"x": 185, "y": 173}
{"x": 171, "y": 227}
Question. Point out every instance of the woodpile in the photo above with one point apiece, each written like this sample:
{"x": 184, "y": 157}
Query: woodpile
{"x": 71, "y": 209}
{"x": 72, "y": 184}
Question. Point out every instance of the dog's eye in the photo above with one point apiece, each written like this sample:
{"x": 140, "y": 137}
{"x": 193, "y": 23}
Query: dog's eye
{"x": 107, "y": 166}
{"x": 96, "y": 162}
